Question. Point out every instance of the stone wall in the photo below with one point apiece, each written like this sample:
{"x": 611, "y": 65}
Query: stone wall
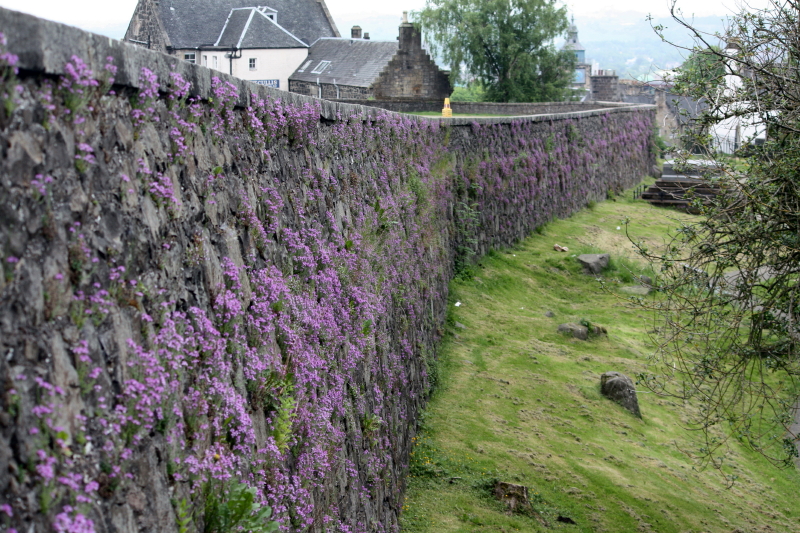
{"x": 210, "y": 289}
{"x": 331, "y": 91}
{"x": 605, "y": 88}
{"x": 401, "y": 105}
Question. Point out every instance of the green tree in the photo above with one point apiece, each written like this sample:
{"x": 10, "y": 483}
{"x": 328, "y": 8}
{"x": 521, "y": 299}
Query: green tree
{"x": 473, "y": 92}
{"x": 703, "y": 72}
{"x": 507, "y": 45}
{"x": 729, "y": 283}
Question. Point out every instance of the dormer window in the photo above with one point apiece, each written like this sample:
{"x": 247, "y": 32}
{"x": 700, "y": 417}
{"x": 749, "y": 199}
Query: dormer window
{"x": 271, "y": 14}
{"x": 321, "y": 67}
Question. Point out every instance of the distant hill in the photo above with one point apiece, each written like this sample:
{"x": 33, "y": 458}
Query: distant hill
{"x": 626, "y": 42}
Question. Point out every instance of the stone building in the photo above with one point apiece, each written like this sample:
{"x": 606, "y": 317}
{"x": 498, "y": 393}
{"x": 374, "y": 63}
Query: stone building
{"x": 359, "y": 68}
{"x": 253, "y": 42}
{"x": 604, "y": 86}
{"x": 674, "y": 112}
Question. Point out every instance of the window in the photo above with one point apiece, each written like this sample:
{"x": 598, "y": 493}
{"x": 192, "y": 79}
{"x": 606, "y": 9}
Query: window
{"x": 252, "y": 63}
{"x": 272, "y": 15}
{"x": 190, "y": 57}
{"x": 205, "y": 61}
{"x": 305, "y": 66}
{"x": 319, "y": 68}
{"x": 214, "y": 62}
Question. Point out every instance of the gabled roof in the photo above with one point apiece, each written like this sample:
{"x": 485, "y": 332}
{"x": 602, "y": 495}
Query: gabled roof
{"x": 253, "y": 28}
{"x": 195, "y": 23}
{"x": 353, "y": 62}
{"x": 570, "y": 45}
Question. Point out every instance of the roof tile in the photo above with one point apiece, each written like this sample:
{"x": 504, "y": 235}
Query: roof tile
{"x": 195, "y": 23}
{"x": 353, "y": 62}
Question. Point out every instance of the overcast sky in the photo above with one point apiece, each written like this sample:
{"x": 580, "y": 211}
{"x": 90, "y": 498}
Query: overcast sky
{"x": 111, "y": 17}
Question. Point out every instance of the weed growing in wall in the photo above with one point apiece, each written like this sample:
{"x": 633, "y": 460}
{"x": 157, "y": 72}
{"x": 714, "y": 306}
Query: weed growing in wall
{"x": 9, "y": 87}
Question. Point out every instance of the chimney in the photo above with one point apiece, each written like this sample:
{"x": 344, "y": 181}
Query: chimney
{"x": 410, "y": 38}
{"x": 355, "y": 33}
{"x": 366, "y": 36}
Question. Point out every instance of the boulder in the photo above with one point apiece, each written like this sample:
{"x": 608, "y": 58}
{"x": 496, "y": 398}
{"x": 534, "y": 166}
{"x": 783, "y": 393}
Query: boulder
{"x": 593, "y": 263}
{"x": 574, "y": 330}
{"x": 516, "y": 499}
{"x": 619, "y": 388}
{"x": 514, "y": 496}
{"x": 549, "y": 314}
{"x": 656, "y": 172}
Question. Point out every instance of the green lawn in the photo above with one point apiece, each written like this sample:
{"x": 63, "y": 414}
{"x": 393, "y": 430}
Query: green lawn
{"x": 455, "y": 115}
{"x": 520, "y": 403}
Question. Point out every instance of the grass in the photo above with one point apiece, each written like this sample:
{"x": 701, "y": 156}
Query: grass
{"x": 521, "y": 403}
{"x": 455, "y": 115}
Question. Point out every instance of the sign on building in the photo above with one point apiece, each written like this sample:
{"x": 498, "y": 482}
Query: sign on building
{"x": 275, "y": 84}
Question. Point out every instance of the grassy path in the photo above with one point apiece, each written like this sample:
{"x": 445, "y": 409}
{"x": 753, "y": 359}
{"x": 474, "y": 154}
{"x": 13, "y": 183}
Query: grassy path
{"x": 520, "y": 403}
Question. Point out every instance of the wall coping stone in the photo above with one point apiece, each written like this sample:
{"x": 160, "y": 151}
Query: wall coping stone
{"x": 47, "y": 46}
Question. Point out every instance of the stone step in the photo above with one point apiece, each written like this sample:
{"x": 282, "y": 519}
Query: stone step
{"x": 673, "y": 191}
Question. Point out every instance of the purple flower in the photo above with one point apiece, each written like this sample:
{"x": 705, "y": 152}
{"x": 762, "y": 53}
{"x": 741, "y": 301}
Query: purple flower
{"x": 64, "y": 523}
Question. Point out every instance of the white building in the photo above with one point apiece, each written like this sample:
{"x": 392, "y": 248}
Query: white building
{"x": 730, "y": 134}
{"x": 263, "y": 44}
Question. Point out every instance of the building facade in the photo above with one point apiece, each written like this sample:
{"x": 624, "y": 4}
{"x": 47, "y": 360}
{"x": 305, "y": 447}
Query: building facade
{"x": 359, "y": 68}
{"x": 256, "y": 43}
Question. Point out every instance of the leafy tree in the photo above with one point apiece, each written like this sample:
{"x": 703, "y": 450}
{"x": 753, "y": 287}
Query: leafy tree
{"x": 703, "y": 71}
{"x": 473, "y": 92}
{"x": 505, "y": 44}
{"x": 729, "y": 309}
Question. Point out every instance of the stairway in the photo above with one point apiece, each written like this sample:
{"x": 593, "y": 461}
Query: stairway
{"x": 679, "y": 188}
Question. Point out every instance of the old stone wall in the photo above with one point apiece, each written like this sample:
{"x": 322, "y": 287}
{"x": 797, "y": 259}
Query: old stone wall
{"x": 212, "y": 291}
{"x": 402, "y": 105}
{"x": 330, "y": 91}
{"x": 605, "y": 88}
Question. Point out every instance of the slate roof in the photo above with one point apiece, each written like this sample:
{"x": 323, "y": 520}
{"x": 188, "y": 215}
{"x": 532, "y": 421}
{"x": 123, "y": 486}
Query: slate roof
{"x": 639, "y": 99}
{"x": 195, "y": 23}
{"x": 353, "y": 62}
{"x": 252, "y": 28}
{"x": 684, "y": 108}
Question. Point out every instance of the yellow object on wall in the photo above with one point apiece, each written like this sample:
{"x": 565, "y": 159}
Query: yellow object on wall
{"x": 447, "y": 112}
